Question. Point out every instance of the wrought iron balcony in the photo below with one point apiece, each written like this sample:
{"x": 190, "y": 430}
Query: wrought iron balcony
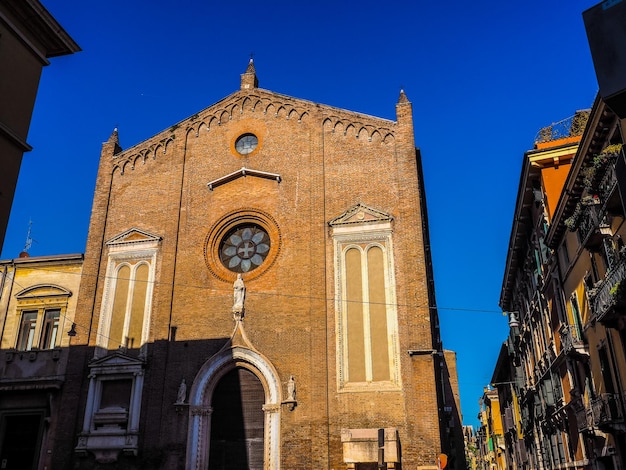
{"x": 607, "y": 183}
{"x": 584, "y": 417}
{"x": 592, "y": 230}
{"x": 572, "y": 342}
{"x": 607, "y": 412}
{"x": 607, "y": 300}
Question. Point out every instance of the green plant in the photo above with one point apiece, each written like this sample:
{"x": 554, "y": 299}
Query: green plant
{"x": 594, "y": 171}
{"x": 611, "y": 150}
{"x": 590, "y": 200}
{"x": 589, "y": 173}
{"x": 573, "y": 221}
{"x": 618, "y": 292}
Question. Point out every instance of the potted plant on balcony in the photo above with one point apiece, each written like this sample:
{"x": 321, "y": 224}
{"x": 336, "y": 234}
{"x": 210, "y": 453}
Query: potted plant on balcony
{"x": 593, "y": 173}
{"x": 618, "y": 294}
{"x": 589, "y": 175}
{"x": 573, "y": 221}
{"x": 610, "y": 151}
{"x": 590, "y": 200}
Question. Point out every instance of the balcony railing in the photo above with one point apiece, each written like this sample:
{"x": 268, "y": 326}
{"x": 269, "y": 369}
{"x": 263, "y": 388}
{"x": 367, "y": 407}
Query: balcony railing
{"x": 571, "y": 341}
{"x": 588, "y": 221}
{"x": 583, "y": 418}
{"x": 607, "y": 411}
{"x": 607, "y": 183}
{"x": 592, "y": 229}
{"x": 606, "y": 298}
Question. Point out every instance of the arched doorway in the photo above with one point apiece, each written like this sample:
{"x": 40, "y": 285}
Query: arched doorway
{"x": 248, "y": 371}
{"x": 237, "y": 422}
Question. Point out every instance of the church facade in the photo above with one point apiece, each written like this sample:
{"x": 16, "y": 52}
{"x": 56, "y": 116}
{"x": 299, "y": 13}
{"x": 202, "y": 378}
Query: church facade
{"x": 257, "y": 292}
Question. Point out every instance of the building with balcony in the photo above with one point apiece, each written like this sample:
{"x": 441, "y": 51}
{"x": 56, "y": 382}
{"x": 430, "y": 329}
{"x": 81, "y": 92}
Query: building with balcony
{"x": 30, "y": 36}
{"x": 587, "y": 239}
{"x": 564, "y": 363}
{"x": 37, "y": 306}
{"x": 533, "y": 362}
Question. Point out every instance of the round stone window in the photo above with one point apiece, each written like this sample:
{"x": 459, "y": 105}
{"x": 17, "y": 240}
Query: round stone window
{"x": 246, "y": 241}
{"x": 246, "y": 144}
{"x": 244, "y": 248}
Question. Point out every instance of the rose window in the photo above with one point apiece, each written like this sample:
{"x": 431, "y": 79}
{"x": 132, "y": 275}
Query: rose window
{"x": 244, "y": 248}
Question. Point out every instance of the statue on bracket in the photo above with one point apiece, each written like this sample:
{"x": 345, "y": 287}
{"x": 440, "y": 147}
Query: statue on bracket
{"x": 182, "y": 393}
{"x": 239, "y": 297}
{"x": 291, "y": 401}
{"x": 291, "y": 388}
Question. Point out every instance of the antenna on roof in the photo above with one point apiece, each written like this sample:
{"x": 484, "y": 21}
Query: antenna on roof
{"x": 29, "y": 240}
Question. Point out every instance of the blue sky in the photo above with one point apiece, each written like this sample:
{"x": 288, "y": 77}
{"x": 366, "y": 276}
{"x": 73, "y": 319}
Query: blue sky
{"x": 483, "y": 78}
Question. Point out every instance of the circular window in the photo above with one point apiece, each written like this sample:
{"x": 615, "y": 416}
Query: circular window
{"x": 246, "y": 241}
{"x": 246, "y": 144}
{"x": 244, "y": 248}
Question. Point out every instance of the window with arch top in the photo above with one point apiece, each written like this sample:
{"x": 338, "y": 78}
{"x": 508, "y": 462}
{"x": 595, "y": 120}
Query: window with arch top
{"x": 366, "y": 313}
{"x": 127, "y": 299}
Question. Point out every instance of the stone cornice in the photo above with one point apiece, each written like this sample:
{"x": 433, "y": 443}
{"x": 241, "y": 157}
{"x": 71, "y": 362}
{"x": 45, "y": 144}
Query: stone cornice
{"x": 241, "y": 173}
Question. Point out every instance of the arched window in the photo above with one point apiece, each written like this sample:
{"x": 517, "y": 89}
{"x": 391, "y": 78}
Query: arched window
{"x": 127, "y": 299}
{"x": 367, "y": 326}
{"x": 366, "y": 315}
{"x": 129, "y": 305}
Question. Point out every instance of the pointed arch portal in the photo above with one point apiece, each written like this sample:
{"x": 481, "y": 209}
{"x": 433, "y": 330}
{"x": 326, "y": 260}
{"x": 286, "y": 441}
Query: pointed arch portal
{"x": 234, "y": 413}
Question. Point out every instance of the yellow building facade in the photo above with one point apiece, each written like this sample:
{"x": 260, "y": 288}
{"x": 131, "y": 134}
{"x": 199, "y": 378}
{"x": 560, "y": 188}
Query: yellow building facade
{"x": 37, "y": 307}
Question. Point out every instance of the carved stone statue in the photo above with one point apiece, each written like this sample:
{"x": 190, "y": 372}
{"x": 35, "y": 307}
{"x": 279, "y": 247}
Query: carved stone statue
{"x": 291, "y": 389}
{"x": 239, "y": 296}
{"x": 182, "y": 393}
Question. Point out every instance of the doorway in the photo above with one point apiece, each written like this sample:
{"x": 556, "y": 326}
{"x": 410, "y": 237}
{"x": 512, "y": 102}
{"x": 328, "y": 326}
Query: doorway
{"x": 20, "y": 436}
{"x": 237, "y": 422}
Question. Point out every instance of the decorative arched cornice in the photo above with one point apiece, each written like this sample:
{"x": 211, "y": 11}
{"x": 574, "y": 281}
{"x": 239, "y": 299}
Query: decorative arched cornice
{"x": 43, "y": 290}
{"x": 282, "y": 112}
{"x": 123, "y": 160}
{"x": 224, "y": 117}
{"x": 254, "y": 101}
{"x": 389, "y": 139}
{"x": 357, "y": 128}
{"x": 270, "y": 108}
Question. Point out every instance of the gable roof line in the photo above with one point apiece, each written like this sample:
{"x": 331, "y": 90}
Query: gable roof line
{"x": 343, "y": 219}
{"x": 250, "y": 92}
{"x": 120, "y": 239}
